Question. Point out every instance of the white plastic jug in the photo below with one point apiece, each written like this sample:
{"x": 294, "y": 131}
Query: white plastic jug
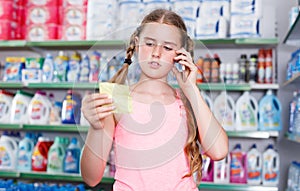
{"x": 254, "y": 166}
{"x": 246, "y": 113}
{"x": 39, "y": 109}
{"x": 8, "y": 153}
{"x": 25, "y": 150}
{"x": 222, "y": 170}
{"x": 5, "y": 106}
{"x": 19, "y": 107}
{"x": 270, "y": 171}
{"x": 223, "y": 110}
{"x": 207, "y": 99}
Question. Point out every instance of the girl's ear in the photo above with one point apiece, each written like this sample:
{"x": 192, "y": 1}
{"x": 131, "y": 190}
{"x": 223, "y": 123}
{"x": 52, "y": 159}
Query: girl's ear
{"x": 136, "y": 42}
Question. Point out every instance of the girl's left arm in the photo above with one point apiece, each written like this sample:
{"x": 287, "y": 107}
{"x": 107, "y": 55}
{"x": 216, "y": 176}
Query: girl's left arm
{"x": 213, "y": 138}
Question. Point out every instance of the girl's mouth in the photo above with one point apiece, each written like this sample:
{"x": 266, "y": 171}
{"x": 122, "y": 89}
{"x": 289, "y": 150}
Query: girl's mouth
{"x": 154, "y": 65}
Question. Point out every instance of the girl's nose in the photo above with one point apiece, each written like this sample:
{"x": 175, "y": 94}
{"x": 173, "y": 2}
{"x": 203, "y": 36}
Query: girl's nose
{"x": 156, "y": 52}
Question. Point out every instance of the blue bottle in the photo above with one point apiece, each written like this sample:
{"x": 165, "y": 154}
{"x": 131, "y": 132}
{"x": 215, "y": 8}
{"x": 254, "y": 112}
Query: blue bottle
{"x": 25, "y": 150}
{"x": 48, "y": 68}
{"x": 269, "y": 113}
{"x": 71, "y": 108}
{"x": 72, "y": 157}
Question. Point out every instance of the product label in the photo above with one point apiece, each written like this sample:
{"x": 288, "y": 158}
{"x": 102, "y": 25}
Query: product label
{"x": 23, "y": 160}
{"x": 38, "y": 15}
{"x": 20, "y": 110}
{"x": 38, "y": 161}
{"x": 246, "y": 115}
{"x": 37, "y": 110}
{"x": 268, "y": 75}
{"x": 271, "y": 172}
{"x": 254, "y": 171}
{"x": 3, "y": 109}
{"x": 54, "y": 162}
{"x": 37, "y": 33}
{"x": 5, "y": 160}
{"x": 75, "y": 17}
{"x": 71, "y": 163}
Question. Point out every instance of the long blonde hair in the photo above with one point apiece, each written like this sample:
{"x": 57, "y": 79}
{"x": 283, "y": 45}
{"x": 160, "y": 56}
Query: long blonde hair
{"x": 164, "y": 16}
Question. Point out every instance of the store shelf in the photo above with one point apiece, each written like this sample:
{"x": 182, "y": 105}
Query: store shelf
{"x": 294, "y": 80}
{"x": 264, "y": 86}
{"x": 12, "y": 43}
{"x": 223, "y": 86}
{"x": 293, "y": 35}
{"x": 50, "y": 128}
{"x": 292, "y": 137}
{"x": 17, "y": 85}
{"x": 83, "y": 43}
{"x": 64, "y": 85}
{"x": 9, "y": 174}
{"x": 253, "y": 134}
{"x": 239, "y": 41}
{"x": 235, "y": 187}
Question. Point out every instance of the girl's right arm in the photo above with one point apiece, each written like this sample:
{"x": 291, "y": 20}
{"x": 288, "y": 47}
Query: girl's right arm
{"x": 99, "y": 139}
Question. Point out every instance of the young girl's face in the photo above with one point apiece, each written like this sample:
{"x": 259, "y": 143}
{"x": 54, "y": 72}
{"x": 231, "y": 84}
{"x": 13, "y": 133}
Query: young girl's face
{"x": 156, "y": 49}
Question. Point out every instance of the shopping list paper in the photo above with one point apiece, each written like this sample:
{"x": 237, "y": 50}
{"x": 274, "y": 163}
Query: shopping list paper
{"x": 120, "y": 94}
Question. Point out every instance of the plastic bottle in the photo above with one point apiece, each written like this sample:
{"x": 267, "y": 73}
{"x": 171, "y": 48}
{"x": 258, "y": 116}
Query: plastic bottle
{"x": 207, "y": 69}
{"x": 269, "y": 113}
{"x": 60, "y": 67}
{"x": 6, "y": 99}
{"x": 25, "y": 151}
{"x": 251, "y": 70}
{"x": 261, "y": 66}
{"x": 56, "y": 156}
{"x": 72, "y": 157}
{"x": 94, "y": 66}
{"x": 199, "y": 65}
{"x": 269, "y": 66}
{"x": 215, "y": 69}
{"x": 238, "y": 169}
{"x": 40, "y": 154}
{"x": 207, "y": 169}
{"x": 103, "y": 73}
{"x": 246, "y": 110}
{"x": 84, "y": 69}
{"x": 296, "y": 120}
{"x": 74, "y": 67}
{"x": 8, "y": 152}
{"x": 39, "y": 109}
{"x": 71, "y": 108}
{"x": 270, "y": 171}
{"x": 229, "y": 73}
{"x": 223, "y": 110}
{"x": 222, "y": 170}
{"x": 254, "y": 166}
{"x": 19, "y": 107}
{"x": 292, "y": 109}
{"x": 242, "y": 68}
{"x": 48, "y": 68}
{"x": 235, "y": 73}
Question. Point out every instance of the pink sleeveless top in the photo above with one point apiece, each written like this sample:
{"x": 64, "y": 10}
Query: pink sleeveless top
{"x": 149, "y": 149}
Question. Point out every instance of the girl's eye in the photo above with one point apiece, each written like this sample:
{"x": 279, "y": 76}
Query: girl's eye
{"x": 149, "y": 44}
{"x": 168, "y": 48}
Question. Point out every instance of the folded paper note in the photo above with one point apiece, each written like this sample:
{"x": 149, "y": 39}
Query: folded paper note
{"x": 120, "y": 94}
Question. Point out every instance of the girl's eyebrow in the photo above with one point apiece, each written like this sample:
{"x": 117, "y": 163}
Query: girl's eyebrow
{"x": 165, "y": 42}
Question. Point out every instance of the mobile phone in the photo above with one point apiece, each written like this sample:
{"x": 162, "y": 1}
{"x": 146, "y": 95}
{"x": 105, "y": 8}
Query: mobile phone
{"x": 179, "y": 67}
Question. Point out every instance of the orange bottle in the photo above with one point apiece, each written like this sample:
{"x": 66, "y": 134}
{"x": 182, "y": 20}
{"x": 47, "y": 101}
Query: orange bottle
{"x": 268, "y": 66}
{"x": 261, "y": 66}
{"x": 199, "y": 65}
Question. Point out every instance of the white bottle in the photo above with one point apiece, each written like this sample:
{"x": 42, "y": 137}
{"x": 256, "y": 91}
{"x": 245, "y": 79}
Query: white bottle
{"x": 8, "y": 153}
{"x": 254, "y": 166}
{"x": 207, "y": 100}
{"x": 48, "y": 68}
{"x": 270, "y": 171}
{"x": 223, "y": 110}
{"x": 19, "y": 107}
{"x": 39, "y": 109}
{"x": 5, "y": 106}
{"x": 222, "y": 170}
{"x": 246, "y": 113}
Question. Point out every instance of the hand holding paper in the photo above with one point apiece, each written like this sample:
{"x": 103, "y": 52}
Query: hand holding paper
{"x": 120, "y": 94}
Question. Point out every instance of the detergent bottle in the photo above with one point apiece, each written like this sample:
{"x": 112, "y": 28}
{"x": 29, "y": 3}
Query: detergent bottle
{"x": 269, "y": 113}
{"x": 56, "y": 155}
{"x": 207, "y": 169}
{"x": 25, "y": 151}
{"x": 19, "y": 107}
{"x": 254, "y": 166}
{"x": 246, "y": 112}
{"x": 40, "y": 154}
{"x": 48, "y": 68}
{"x": 222, "y": 170}
{"x": 8, "y": 152}
{"x": 6, "y": 99}
{"x": 72, "y": 157}
{"x": 223, "y": 110}
{"x": 39, "y": 109}
{"x": 71, "y": 108}
{"x": 270, "y": 170}
{"x": 238, "y": 170}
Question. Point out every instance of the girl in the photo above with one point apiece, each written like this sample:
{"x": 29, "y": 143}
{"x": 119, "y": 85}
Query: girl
{"x": 157, "y": 146}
